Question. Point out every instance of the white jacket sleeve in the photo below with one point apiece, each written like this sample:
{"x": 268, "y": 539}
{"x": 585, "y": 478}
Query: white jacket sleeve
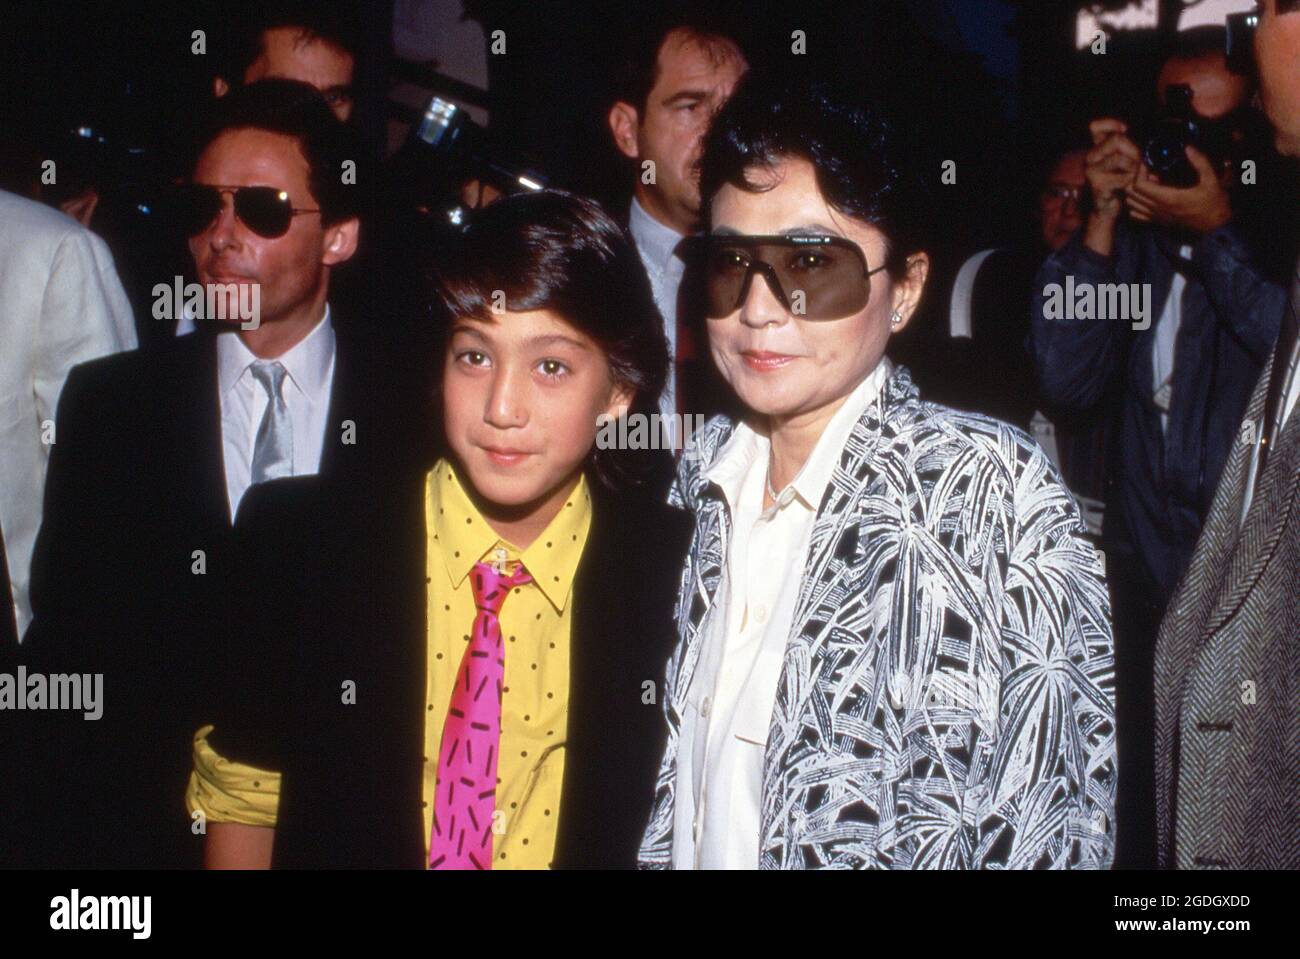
{"x": 65, "y": 305}
{"x": 84, "y": 315}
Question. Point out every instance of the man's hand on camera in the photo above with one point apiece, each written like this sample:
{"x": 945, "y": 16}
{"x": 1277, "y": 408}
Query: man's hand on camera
{"x": 1111, "y": 166}
{"x": 1199, "y": 208}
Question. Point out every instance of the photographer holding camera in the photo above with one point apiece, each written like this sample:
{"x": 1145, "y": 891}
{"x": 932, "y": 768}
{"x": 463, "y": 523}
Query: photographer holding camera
{"x": 1181, "y": 370}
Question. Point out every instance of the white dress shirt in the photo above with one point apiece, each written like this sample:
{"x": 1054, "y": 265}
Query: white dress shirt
{"x": 61, "y": 303}
{"x": 728, "y": 710}
{"x": 656, "y": 243}
{"x": 1166, "y": 338}
{"x": 307, "y": 387}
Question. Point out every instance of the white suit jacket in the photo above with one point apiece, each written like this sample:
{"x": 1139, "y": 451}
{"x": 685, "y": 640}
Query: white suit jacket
{"x": 61, "y": 303}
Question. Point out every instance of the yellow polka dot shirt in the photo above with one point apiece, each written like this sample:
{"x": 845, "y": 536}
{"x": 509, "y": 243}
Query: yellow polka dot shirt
{"x": 535, "y": 622}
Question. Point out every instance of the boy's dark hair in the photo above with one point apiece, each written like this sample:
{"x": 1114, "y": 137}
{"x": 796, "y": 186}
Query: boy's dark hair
{"x": 637, "y": 68}
{"x": 860, "y": 165}
{"x": 327, "y": 23}
{"x": 552, "y": 250}
{"x": 297, "y": 110}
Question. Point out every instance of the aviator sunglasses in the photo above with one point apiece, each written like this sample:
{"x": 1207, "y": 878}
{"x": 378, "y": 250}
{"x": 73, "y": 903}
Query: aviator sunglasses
{"x": 265, "y": 210}
{"x": 816, "y": 277}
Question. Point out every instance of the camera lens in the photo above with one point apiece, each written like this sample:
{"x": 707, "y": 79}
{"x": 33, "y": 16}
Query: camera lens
{"x": 1164, "y": 153}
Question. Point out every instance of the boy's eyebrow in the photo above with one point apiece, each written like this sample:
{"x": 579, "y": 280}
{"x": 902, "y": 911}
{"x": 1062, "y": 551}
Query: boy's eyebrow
{"x": 546, "y": 339}
{"x": 551, "y": 338}
{"x": 463, "y": 327}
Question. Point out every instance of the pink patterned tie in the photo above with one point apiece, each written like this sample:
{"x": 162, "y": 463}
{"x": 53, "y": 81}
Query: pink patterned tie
{"x": 471, "y": 735}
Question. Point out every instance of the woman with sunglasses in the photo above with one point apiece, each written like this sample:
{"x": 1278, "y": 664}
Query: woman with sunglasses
{"x": 894, "y": 641}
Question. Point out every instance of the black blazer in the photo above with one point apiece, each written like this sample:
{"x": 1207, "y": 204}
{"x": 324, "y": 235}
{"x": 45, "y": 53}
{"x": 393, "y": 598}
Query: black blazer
{"x": 355, "y": 609}
{"x": 135, "y": 490}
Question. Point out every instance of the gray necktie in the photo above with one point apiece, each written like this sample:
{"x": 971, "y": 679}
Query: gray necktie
{"x": 273, "y": 449}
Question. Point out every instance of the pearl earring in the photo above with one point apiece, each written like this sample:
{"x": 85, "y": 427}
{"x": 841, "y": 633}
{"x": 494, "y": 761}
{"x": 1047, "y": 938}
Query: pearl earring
{"x": 895, "y": 318}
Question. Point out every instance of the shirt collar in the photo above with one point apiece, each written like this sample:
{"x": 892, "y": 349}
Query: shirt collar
{"x": 743, "y": 452}
{"x": 655, "y": 242}
{"x": 466, "y": 538}
{"x": 810, "y": 483}
{"x": 308, "y": 362}
{"x": 748, "y": 449}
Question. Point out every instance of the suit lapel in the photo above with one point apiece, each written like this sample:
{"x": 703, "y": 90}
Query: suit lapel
{"x": 706, "y": 563}
{"x": 341, "y": 403}
{"x": 412, "y": 605}
{"x": 196, "y": 404}
{"x": 388, "y": 642}
{"x": 835, "y": 533}
{"x": 1210, "y": 589}
{"x": 587, "y": 710}
{"x": 621, "y": 635}
{"x": 1257, "y": 539}
{"x": 833, "y": 565}
{"x": 8, "y": 624}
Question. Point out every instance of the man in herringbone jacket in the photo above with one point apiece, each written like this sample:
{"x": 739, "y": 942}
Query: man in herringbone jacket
{"x": 1227, "y": 669}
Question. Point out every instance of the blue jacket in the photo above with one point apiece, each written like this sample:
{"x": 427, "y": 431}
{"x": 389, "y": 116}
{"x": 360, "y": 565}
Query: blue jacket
{"x": 1162, "y": 482}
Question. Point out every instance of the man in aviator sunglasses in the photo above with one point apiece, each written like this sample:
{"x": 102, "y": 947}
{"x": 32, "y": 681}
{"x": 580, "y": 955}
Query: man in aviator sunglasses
{"x": 266, "y": 210}
{"x": 137, "y": 575}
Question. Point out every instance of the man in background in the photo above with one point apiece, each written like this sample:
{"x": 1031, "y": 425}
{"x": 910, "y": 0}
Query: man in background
{"x": 135, "y": 574}
{"x": 1227, "y": 663}
{"x": 676, "y": 73}
{"x": 61, "y": 303}
{"x": 1183, "y": 371}
{"x": 312, "y": 43}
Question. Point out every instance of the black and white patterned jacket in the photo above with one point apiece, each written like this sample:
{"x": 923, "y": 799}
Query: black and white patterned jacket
{"x": 946, "y": 696}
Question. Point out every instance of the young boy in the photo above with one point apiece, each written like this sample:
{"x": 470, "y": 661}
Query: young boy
{"x": 466, "y": 673}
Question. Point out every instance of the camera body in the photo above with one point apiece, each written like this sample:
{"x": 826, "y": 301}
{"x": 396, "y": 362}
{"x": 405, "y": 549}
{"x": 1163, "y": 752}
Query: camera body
{"x": 458, "y": 150}
{"x": 1176, "y": 128}
{"x": 127, "y": 174}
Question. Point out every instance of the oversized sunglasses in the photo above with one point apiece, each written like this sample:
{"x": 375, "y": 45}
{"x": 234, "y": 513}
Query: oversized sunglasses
{"x": 265, "y": 210}
{"x": 815, "y": 277}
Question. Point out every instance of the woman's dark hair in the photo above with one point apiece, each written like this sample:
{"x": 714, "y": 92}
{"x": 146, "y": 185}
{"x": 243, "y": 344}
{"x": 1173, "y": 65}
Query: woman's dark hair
{"x": 862, "y": 169}
{"x": 552, "y": 250}
{"x": 299, "y": 111}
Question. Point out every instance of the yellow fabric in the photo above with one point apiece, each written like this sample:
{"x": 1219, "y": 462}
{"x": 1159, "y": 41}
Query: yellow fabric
{"x": 536, "y": 622}
{"x": 230, "y": 792}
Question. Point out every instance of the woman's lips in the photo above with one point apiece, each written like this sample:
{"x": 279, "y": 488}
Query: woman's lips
{"x": 763, "y": 361}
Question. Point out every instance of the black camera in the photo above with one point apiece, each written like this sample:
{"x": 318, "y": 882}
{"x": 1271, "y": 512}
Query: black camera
{"x": 1170, "y": 134}
{"x": 126, "y": 172}
{"x": 455, "y": 150}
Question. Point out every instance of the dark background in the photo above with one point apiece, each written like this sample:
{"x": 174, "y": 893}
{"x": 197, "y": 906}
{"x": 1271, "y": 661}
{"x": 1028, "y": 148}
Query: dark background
{"x": 991, "y": 84}
{"x": 994, "y": 85}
